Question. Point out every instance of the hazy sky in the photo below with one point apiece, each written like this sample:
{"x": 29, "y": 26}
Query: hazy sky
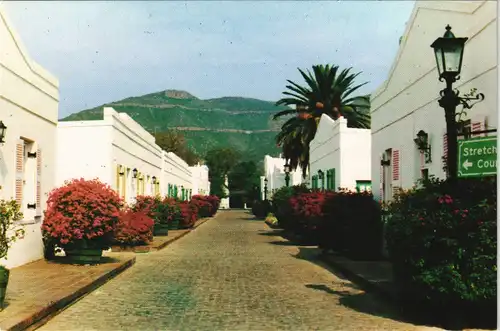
{"x": 106, "y": 51}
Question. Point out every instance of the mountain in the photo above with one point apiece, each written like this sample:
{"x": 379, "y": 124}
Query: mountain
{"x": 243, "y": 123}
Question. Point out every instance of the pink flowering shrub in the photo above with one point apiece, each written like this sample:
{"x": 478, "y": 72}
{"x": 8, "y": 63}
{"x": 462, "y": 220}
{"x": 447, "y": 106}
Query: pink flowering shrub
{"x": 134, "y": 228}
{"x": 442, "y": 241}
{"x": 307, "y": 210}
{"x": 82, "y": 212}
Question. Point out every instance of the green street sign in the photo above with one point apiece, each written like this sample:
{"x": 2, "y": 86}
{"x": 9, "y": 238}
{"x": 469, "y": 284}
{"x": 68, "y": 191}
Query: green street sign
{"x": 477, "y": 157}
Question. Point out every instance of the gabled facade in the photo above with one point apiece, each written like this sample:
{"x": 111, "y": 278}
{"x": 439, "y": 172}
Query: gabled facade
{"x": 29, "y": 102}
{"x": 342, "y": 154}
{"x": 201, "y": 183}
{"x": 121, "y": 153}
{"x": 407, "y": 101}
{"x": 274, "y": 171}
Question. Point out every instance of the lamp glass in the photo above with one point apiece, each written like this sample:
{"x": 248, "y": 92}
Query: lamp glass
{"x": 3, "y": 130}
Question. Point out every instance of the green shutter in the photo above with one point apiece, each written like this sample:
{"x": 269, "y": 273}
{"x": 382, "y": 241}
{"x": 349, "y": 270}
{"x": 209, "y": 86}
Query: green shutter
{"x": 332, "y": 179}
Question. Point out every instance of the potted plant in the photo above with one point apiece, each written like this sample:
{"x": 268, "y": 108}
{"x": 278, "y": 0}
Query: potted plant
{"x": 81, "y": 218}
{"x": 171, "y": 211}
{"x": 154, "y": 207}
{"x": 10, "y": 213}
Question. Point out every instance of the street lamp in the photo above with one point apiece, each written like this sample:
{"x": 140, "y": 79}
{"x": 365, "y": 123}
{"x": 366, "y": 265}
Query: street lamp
{"x": 154, "y": 179}
{"x": 3, "y": 130}
{"x": 265, "y": 189}
{"x": 321, "y": 176}
{"x": 422, "y": 142}
{"x": 449, "y": 52}
{"x": 287, "y": 174}
{"x": 134, "y": 173}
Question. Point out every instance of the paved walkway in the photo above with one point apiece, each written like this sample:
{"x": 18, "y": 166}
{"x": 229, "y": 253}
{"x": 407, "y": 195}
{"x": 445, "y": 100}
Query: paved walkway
{"x": 228, "y": 275}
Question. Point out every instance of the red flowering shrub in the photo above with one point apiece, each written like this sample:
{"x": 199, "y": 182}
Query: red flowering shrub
{"x": 134, "y": 228}
{"x": 203, "y": 206}
{"x": 189, "y": 213}
{"x": 281, "y": 204}
{"x": 215, "y": 202}
{"x": 353, "y": 225}
{"x": 169, "y": 211}
{"x": 442, "y": 240}
{"x": 147, "y": 204}
{"x": 307, "y": 209}
{"x": 207, "y": 204}
{"x": 82, "y": 212}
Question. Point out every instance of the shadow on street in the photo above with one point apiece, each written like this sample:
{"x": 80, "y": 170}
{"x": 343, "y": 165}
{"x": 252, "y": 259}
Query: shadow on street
{"x": 370, "y": 303}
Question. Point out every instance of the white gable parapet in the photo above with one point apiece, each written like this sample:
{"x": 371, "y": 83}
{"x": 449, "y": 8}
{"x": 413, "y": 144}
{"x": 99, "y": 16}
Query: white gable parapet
{"x": 407, "y": 101}
{"x": 342, "y": 154}
{"x": 274, "y": 171}
{"x": 121, "y": 153}
{"x": 201, "y": 184}
{"x": 29, "y": 102}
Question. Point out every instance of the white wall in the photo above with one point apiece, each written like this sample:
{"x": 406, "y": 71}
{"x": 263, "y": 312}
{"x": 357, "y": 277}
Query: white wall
{"x": 274, "y": 171}
{"x": 344, "y": 149}
{"x": 29, "y": 101}
{"x": 407, "y": 101}
{"x": 111, "y": 148}
{"x": 201, "y": 184}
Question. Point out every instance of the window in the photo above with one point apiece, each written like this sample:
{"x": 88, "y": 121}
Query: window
{"x": 330, "y": 179}
{"x": 363, "y": 186}
{"x": 314, "y": 182}
{"x": 28, "y": 179}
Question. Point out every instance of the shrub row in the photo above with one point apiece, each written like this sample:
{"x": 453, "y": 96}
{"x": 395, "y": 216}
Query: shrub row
{"x": 441, "y": 236}
{"x": 88, "y": 212}
{"x": 442, "y": 240}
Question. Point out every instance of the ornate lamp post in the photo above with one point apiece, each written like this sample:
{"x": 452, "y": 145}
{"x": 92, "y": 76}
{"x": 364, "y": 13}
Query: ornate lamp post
{"x": 449, "y": 52}
{"x": 265, "y": 189}
{"x": 287, "y": 174}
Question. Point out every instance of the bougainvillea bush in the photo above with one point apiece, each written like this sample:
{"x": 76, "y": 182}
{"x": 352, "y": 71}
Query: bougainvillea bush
{"x": 203, "y": 206}
{"x": 215, "y": 202}
{"x": 189, "y": 212}
{"x": 352, "y": 225}
{"x": 281, "y": 206}
{"x": 209, "y": 206}
{"x": 82, "y": 213}
{"x": 442, "y": 240}
{"x": 134, "y": 228}
{"x": 148, "y": 204}
{"x": 169, "y": 211}
{"x": 308, "y": 213}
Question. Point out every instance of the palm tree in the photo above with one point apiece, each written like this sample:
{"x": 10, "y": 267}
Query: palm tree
{"x": 325, "y": 93}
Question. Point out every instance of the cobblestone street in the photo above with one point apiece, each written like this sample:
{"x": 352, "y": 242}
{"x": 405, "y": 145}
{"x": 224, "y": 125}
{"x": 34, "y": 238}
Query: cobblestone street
{"x": 228, "y": 275}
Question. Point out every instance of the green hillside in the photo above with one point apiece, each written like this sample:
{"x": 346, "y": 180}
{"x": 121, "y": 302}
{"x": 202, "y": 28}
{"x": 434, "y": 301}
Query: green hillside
{"x": 242, "y": 123}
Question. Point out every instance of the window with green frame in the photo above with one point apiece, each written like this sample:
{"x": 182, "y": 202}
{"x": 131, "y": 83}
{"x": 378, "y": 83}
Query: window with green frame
{"x": 363, "y": 185}
{"x": 330, "y": 179}
{"x": 314, "y": 182}
{"x": 169, "y": 192}
{"x": 176, "y": 191}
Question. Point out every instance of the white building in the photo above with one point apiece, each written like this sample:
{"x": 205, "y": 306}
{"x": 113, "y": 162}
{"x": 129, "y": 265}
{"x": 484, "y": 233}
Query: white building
{"x": 29, "y": 101}
{"x": 342, "y": 154}
{"x": 407, "y": 101}
{"x": 274, "y": 172}
{"x": 201, "y": 183}
{"x": 121, "y": 153}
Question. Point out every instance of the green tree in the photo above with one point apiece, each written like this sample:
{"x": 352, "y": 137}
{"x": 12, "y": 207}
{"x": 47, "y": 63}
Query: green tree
{"x": 220, "y": 161}
{"x": 328, "y": 91}
{"x": 175, "y": 142}
{"x": 243, "y": 178}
